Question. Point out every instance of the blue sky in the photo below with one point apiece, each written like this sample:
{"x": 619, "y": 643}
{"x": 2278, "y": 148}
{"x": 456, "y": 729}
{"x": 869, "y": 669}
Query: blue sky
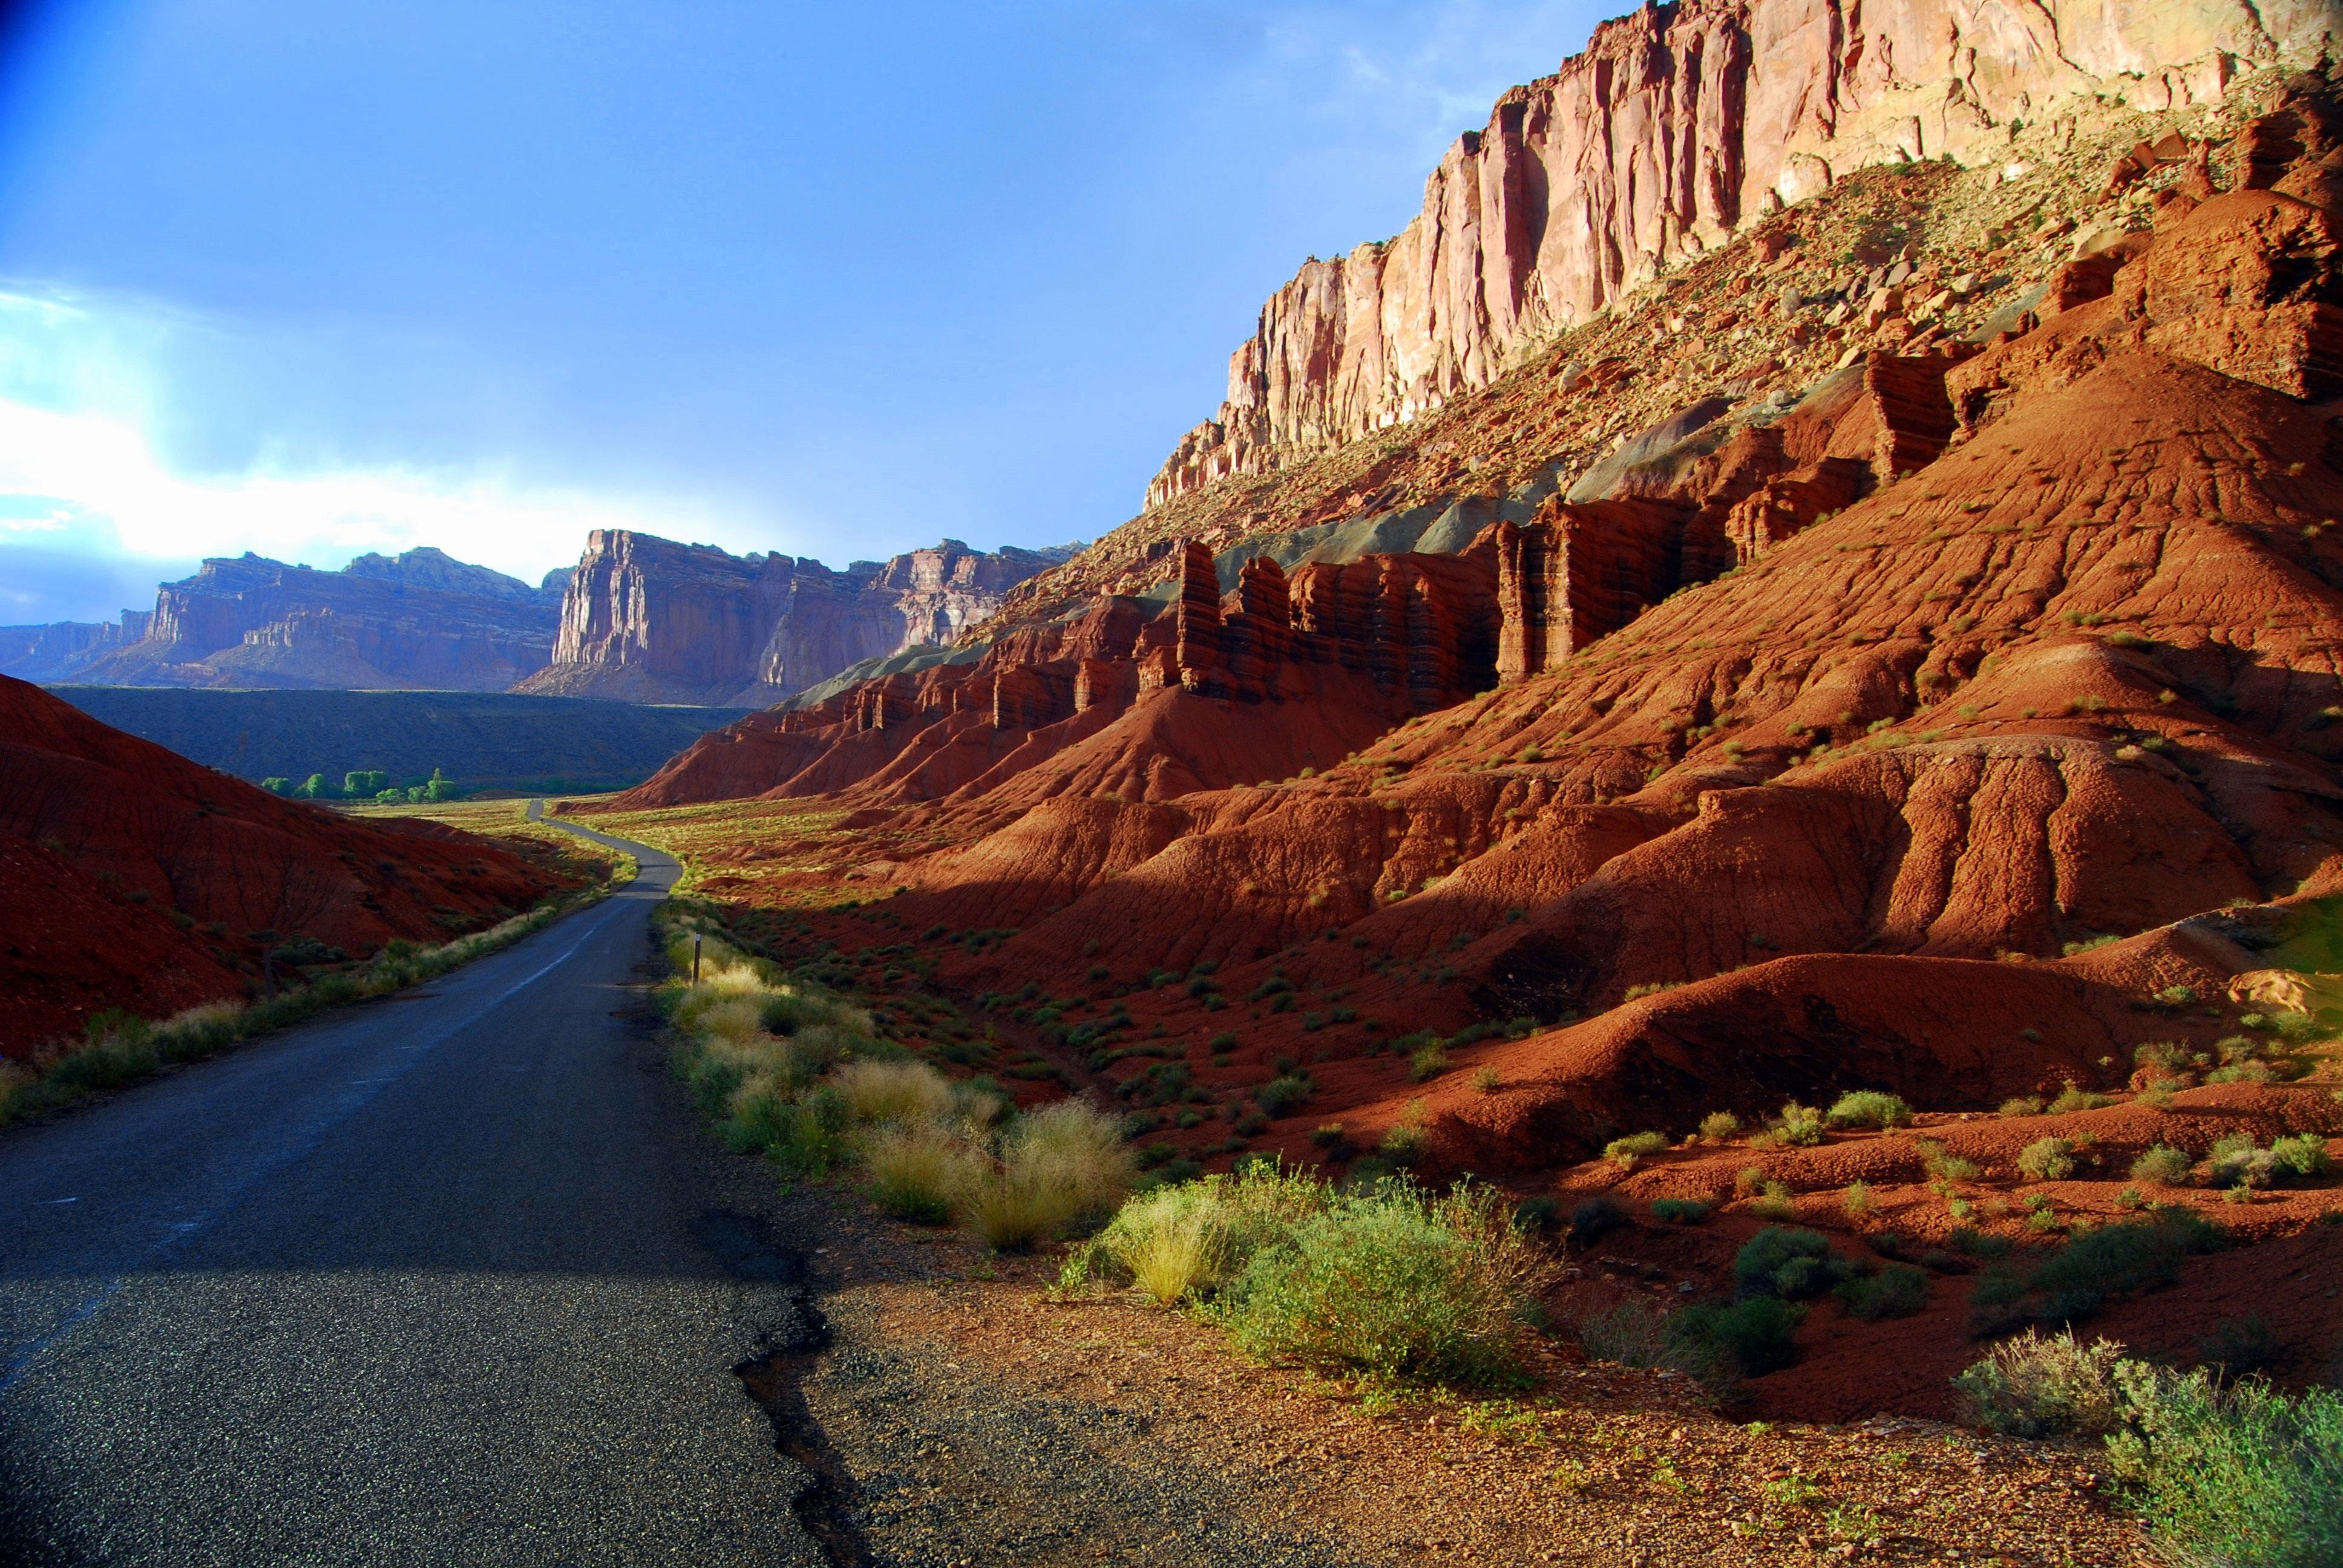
{"x": 835, "y": 280}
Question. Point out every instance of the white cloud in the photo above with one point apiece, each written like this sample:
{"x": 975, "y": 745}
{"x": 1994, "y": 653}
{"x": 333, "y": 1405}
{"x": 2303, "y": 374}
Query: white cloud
{"x": 98, "y": 394}
{"x": 101, "y": 471}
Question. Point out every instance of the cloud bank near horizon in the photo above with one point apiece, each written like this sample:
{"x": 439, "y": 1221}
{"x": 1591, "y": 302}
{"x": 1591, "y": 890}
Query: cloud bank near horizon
{"x": 107, "y": 414}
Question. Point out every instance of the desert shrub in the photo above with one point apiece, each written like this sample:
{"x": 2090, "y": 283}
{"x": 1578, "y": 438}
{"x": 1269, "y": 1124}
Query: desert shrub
{"x": 894, "y": 1091}
{"x": 1772, "y": 1202}
{"x": 2116, "y": 1260}
{"x": 1396, "y": 1283}
{"x": 1405, "y": 1143}
{"x": 1857, "y": 1200}
{"x": 1190, "y": 1239}
{"x": 1679, "y": 1211}
{"x": 2235, "y": 1160}
{"x": 1595, "y": 1218}
{"x": 1801, "y": 1126}
{"x": 1942, "y": 1164}
{"x": 1896, "y": 1292}
{"x": 1427, "y": 1062}
{"x": 1284, "y": 1094}
{"x": 1719, "y": 1125}
{"x": 2046, "y": 1159}
{"x": 2303, "y": 1156}
{"x": 1869, "y": 1108}
{"x": 1625, "y": 1152}
{"x": 1486, "y": 1080}
{"x": 2241, "y": 1476}
{"x": 2073, "y": 1098}
{"x": 1631, "y": 1332}
{"x": 2238, "y": 1347}
{"x": 1752, "y": 1337}
{"x": 918, "y": 1172}
{"x": 2164, "y": 1165}
{"x": 2022, "y": 1105}
{"x": 2043, "y": 1385}
{"x": 1792, "y": 1264}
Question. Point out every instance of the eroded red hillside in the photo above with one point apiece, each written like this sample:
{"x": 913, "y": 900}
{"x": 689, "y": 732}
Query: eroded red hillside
{"x": 131, "y": 877}
{"x": 1847, "y": 711}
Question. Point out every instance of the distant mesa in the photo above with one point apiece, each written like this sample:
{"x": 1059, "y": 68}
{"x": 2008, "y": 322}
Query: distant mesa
{"x": 419, "y": 620}
{"x": 639, "y": 620}
{"x": 651, "y": 620}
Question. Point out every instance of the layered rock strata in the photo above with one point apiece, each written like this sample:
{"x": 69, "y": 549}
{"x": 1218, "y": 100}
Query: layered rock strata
{"x": 648, "y": 619}
{"x": 1676, "y": 127}
{"x": 60, "y": 650}
{"x": 422, "y": 621}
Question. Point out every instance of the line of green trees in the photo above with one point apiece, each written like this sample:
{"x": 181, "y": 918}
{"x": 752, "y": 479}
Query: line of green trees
{"x": 365, "y": 784}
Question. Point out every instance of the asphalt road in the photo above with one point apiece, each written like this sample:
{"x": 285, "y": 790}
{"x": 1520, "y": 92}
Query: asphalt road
{"x": 430, "y": 1280}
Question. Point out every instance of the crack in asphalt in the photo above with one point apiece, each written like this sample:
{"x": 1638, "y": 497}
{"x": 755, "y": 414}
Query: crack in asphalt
{"x": 791, "y": 1335}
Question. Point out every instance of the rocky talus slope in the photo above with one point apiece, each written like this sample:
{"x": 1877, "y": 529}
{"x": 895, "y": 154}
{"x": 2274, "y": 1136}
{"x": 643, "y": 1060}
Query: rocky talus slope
{"x": 421, "y": 619}
{"x": 648, "y": 620}
{"x": 132, "y": 877}
{"x": 1961, "y": 591}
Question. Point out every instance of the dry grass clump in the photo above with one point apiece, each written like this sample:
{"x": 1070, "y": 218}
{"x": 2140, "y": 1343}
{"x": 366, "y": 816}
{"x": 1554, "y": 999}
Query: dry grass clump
{"x": 918, "y": 1173}
{"x": 894, "y": 1091}
{"x": 2042, "y": 1385}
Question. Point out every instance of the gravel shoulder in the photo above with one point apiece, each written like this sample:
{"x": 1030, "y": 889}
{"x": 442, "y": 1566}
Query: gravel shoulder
{"x": 967, "y": 1418}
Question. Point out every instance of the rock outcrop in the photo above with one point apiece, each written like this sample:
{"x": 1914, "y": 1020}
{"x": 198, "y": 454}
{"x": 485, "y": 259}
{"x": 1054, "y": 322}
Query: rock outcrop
{"x": 646, "y": 619}
{"x": 1678, "y": 126}
{"x": 420, "y": 621}
{"x": 61, "y": 650}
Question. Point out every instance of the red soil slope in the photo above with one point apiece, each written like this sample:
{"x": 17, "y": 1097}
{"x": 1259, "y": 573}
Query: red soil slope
{"x": 132, "y": 877}
{"x": 1849, "y": 722}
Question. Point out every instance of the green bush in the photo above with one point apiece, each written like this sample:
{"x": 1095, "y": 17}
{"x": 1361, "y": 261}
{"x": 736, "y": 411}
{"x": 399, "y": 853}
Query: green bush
{"x": 2117, "y": 1260}
{"x": 1719, "y": 1125}
{"x": 1679, "y": 1211}
{"x": 1791, "y": 1264}
{"x": 1625, "y": 1152}
{"x": 2303, "y": 1156}
{"x": 2046, "y": 1159}
{"x": 1869, "y": 1108}
{"x": 1801, "y": 1126}
{"x": 2241, "y": 1476}
{"x": 1284, "y": 1094}
{"x": 1896, "y": 1292}
{"x": 2164, "y": 1165}
{"x": 1752, "y": 1337}
{"x": 1395, "y": 1283}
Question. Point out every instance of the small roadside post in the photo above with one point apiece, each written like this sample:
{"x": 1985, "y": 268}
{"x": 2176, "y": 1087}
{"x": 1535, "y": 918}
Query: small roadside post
{"x": 695, "y": 958}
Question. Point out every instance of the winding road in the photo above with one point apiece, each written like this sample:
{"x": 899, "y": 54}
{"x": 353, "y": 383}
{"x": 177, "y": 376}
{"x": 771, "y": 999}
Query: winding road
{"x": 430, "y": 1280}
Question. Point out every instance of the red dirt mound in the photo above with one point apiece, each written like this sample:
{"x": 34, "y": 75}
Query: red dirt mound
{"x": 133, "y": 877}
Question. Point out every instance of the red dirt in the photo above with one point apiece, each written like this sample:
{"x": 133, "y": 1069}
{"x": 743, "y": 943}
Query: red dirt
{"x": 132, "y": 877}
{"x": 1850, "y": 735}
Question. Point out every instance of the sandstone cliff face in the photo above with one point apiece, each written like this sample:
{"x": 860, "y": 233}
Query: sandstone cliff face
{"x": 646, "y": 619}
{"x": 61, "y": 650}
{"x": 1676, "y": 127}
{"x": 420, "y": 621}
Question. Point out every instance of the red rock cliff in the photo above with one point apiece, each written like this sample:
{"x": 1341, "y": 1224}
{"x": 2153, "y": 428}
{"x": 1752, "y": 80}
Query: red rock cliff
{"x": 648, "y": 619}
{"x": 1676, "y": 126}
